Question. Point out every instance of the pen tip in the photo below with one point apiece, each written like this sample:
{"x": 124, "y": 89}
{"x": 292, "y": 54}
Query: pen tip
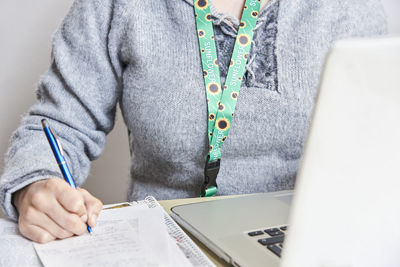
{"x": 89, "y": 229}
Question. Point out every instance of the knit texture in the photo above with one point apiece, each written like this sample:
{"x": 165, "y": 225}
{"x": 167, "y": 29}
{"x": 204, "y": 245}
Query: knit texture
{"x": 144, "y": 56}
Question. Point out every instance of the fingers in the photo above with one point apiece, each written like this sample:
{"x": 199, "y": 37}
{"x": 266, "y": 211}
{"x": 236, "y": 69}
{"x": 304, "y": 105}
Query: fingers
{"x": 37, "y": 218}
{"x": 35, "y": 233}
{"x": 50, "y": 209}
{"x": 71, "y": 222}
{"x": 68, "y": 197}
{"x": 93, "y": 206}
{"x": 63, "y": 204}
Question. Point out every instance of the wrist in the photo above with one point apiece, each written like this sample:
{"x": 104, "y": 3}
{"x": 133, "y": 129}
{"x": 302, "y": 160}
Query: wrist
{"x": 17, "y": 196}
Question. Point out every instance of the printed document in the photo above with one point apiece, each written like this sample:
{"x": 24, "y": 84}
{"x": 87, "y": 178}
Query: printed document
{"x": 136, "y": 234}
{"x": 15, "y": 250}
{"x": 133, "y": 236}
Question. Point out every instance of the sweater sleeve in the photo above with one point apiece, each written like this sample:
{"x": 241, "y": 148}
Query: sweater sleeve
{"x": 77, "y": 95}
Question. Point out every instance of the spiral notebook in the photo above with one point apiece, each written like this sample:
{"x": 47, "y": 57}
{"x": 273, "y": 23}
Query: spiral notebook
{"x": 191, "y": 251}
{"x": 127, "y": 234}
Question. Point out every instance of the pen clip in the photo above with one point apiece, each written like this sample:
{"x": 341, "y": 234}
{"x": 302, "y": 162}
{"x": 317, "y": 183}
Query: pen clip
{"x": 46, "y": 124}
{"x": 58, "y": 142}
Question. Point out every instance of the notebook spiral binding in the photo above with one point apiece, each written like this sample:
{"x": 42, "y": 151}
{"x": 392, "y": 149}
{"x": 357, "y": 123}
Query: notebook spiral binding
{"x": 187, "y": 246}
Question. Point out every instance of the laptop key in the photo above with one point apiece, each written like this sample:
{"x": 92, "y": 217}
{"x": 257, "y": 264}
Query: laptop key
{"x": 271, "y": 240}
{"x": 275, "y": 249}
{"x": 255, "y": 233}
{"x": 276, "y": 233}
{"x": 271, "y": 230}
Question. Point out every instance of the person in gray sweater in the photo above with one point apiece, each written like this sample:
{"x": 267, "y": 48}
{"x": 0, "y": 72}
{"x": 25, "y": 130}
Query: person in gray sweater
{"x": 144, "y": 56}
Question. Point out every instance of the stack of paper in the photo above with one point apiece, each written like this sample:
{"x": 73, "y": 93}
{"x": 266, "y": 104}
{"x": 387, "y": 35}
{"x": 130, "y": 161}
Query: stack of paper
{"x": 14, "y": 249}
{"x": 141, "y": 234}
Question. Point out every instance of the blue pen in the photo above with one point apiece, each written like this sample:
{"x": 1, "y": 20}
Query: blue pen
{"x": 59, "y": 155}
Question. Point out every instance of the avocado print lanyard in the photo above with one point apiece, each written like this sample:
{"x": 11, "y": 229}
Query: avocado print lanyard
{"x": 221, "y": 100}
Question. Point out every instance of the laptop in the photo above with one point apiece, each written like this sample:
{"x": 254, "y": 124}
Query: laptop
{"x": 345, "y": 210}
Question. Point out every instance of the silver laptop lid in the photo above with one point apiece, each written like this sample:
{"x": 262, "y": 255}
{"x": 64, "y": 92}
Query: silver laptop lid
{"x": 223, "y": 225}
{"x": 346, "y": 210}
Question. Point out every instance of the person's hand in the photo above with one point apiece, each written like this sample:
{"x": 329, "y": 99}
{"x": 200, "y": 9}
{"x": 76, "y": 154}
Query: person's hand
{"x": 51, "y": 209}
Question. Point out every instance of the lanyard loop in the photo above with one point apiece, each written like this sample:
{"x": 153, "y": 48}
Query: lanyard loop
{"x": 221, "y": 101}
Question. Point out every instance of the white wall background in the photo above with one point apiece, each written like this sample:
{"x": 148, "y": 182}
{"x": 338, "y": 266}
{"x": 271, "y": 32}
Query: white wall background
{"x": 26, "y": 28}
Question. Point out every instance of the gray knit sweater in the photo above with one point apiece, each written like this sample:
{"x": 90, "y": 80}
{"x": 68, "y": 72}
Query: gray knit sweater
{"x": 144, "y": 56}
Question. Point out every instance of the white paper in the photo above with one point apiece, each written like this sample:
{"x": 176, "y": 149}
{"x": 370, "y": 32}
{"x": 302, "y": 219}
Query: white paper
{"x": 132, "y": 236}
{"x": 15, "y": 250}
{"x": 114, "y": 243}
{"x": 183, "y": 251}
{"x": 152, "y": 232}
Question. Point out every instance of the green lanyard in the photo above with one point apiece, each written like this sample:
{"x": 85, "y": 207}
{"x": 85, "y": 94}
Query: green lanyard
{"x": 221, "y": 100}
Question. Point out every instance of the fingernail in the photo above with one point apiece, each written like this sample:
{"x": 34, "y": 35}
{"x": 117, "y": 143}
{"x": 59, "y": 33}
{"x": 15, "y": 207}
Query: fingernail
{"x": 84, "y": 218}
{"x": 93, "y": 219}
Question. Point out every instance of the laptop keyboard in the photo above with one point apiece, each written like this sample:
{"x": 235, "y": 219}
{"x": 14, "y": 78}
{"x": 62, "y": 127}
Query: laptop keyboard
{"x": 272, "y": 238}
